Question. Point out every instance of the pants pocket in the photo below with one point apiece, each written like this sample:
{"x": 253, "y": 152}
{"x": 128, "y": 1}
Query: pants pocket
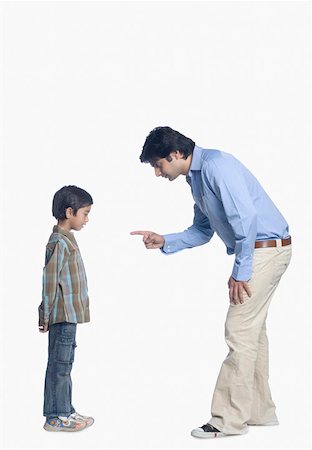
{"x": 65, "y": 351}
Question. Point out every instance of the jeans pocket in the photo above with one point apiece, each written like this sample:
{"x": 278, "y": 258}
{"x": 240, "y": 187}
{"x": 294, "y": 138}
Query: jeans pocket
{"x": 65, "y": 351}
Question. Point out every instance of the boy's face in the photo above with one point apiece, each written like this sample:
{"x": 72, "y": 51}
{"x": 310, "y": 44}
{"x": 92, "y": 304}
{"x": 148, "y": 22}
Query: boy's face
{"x": 78, "y": 221}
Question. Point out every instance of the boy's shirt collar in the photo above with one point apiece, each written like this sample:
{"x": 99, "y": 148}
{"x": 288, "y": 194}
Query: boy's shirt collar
{"x": 68, "y": 234}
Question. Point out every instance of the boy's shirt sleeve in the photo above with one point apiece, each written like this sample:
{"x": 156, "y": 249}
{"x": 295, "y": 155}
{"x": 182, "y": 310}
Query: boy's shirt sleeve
{"x": 55, "y": 259}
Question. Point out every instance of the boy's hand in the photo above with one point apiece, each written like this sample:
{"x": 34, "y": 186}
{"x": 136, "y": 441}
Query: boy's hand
{"x": 44, "y": 328}
{"x": 150, "y": 239}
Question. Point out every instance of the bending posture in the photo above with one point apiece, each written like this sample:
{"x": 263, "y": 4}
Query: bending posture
{"x": 231, "y": 202}
{"x": 65, "y": 303}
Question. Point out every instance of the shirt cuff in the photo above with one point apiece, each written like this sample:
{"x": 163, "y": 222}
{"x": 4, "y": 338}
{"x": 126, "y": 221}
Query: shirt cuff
{"x": 171, "y": 244}
{"x": 241, "y": 273}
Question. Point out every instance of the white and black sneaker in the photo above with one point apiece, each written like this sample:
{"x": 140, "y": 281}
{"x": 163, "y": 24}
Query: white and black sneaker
{"x": 207, "y": 431}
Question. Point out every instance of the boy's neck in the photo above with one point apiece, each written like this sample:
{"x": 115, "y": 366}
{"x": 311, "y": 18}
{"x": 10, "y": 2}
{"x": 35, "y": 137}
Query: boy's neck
{"x": 64, "y": 224}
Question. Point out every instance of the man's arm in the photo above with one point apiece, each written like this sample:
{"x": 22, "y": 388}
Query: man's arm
{"x": 50, "y": 284}
{"x": 197, "y": 234}
{"x": 229, "y": 185}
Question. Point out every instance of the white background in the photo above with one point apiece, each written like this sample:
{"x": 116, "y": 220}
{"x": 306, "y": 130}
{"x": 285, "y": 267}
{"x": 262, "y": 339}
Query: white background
{"x": 83, "y": 85}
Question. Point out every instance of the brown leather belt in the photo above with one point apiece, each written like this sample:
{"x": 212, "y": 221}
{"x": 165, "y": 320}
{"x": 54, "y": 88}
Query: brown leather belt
{"x": 272, "y": 243}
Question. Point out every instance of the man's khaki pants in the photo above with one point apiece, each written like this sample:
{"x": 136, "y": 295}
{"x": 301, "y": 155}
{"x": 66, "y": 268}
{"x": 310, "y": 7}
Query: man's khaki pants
{"x": 242, "y": 395}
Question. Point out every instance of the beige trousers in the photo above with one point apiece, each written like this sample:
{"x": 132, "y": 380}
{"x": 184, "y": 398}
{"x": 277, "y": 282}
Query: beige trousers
{"x": 242, "y": 395}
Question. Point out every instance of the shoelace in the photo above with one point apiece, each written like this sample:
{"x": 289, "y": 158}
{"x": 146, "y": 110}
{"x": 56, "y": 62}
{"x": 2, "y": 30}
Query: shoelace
{"x": 67, "y": 419}
{"x": 76, "y": 416}
{"x": 207, "y": 427}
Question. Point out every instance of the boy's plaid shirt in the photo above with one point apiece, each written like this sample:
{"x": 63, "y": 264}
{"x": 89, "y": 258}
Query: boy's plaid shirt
{"x": 64, "y": 288}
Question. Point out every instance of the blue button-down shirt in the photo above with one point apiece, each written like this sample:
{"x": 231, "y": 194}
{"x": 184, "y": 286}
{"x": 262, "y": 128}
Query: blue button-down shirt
{"x": 230, "y": 201}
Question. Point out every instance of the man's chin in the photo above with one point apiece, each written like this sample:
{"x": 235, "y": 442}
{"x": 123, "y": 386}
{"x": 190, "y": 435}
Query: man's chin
{"x": 170, "y": 178}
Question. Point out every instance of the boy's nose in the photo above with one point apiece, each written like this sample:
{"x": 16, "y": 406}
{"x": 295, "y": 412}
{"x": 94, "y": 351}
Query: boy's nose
{"x": 157, "y": 171}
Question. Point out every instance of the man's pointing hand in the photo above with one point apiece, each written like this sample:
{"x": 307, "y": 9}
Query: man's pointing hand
{"x": 150, "y": 239}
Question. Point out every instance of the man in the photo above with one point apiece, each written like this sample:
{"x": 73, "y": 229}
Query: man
{"x": 231, "y": 202}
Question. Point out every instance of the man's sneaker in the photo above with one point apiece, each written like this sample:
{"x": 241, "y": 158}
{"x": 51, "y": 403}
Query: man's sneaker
{"x": 86, "y": 419}
{"x": 64, "y": 424}
{"x": 207, "y": 431}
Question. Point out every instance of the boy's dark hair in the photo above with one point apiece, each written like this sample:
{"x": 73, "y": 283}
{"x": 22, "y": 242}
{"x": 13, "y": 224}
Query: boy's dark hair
{"x": 69, "y": 197}
{"x": 162, "y": 141}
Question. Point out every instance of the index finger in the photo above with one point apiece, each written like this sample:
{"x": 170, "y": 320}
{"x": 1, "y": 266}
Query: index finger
{"x": 139, "y": 233}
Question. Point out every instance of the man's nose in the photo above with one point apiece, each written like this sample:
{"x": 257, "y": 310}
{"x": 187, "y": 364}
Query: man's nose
{"x": 157, "y": 171}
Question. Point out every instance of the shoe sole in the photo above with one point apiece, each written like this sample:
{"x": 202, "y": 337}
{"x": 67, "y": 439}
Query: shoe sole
{"x": 68, "y": 430}
{"x": 206, "y": 435}
{"x": 209, "y": 435}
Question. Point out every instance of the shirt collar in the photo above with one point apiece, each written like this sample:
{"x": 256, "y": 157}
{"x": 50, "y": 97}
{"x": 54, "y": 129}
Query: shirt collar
{"x": 68, "y": 234}
{"x": 196, "y": 163}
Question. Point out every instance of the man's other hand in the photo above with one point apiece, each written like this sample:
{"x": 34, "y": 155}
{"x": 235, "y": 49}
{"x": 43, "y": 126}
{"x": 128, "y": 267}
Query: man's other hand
{"x": 237, "y": 290}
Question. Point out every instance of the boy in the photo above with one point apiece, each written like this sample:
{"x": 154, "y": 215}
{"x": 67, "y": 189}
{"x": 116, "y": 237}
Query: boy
{"x": 65, "y": 303}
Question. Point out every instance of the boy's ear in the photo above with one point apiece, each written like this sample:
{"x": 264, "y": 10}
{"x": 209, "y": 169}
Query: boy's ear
{"x": 69, "y": 212}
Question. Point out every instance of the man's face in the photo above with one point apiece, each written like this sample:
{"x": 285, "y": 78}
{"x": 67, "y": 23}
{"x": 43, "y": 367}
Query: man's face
{"x": 170, "y": 167}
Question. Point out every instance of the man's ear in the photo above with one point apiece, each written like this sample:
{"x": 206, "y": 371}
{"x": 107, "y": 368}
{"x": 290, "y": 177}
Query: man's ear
{"x": 177, "y": 154}
{"x": 69, "y": 212}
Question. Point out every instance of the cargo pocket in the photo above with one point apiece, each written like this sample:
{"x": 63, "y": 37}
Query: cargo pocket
{"x": 65, "y": 351}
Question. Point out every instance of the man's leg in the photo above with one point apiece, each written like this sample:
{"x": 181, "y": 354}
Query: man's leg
{"x": 233, "y": 397}
{"x": 263, "y": 407}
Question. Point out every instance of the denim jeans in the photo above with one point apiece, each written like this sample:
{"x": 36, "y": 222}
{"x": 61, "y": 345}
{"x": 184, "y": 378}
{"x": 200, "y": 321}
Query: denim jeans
{"x": 58, "y": 383}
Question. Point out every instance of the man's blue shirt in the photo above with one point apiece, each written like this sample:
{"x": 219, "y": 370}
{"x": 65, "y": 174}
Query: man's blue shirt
{"x": 230, "y": 201}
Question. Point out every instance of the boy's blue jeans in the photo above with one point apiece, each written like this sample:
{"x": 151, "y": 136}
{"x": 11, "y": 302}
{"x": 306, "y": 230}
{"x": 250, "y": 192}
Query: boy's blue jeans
{"x": 58, "y": 384}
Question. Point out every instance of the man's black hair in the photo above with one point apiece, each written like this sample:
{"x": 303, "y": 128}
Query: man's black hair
{"x": 162, "y": 141}
{"x": 69, "y": 197}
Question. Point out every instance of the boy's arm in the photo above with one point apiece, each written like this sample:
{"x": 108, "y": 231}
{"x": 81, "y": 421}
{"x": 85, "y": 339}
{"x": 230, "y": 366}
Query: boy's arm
{"x": 50, "y": 283}
{"x": 44, "y": 328}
